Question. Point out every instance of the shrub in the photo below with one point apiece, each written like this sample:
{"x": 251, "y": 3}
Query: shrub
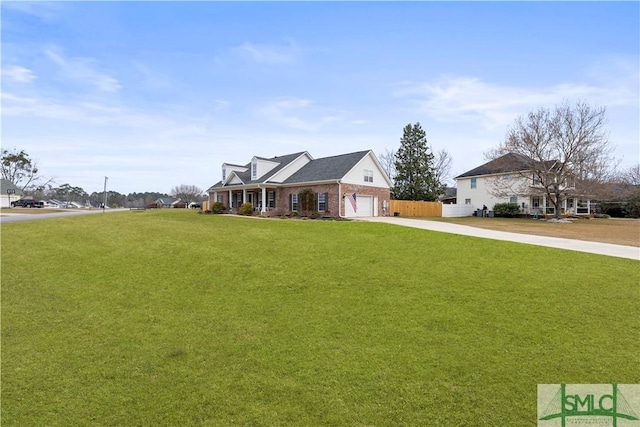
{"x": 603, "y": 216}
{"x": 246, "y": 209}
{"x": 508, "y": 210}
{"x": 217, "y": 208}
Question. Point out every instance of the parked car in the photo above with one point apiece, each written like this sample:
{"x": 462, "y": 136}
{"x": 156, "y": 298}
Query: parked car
{"x": 27, "y": 203}
{"x": 195, "y": 205}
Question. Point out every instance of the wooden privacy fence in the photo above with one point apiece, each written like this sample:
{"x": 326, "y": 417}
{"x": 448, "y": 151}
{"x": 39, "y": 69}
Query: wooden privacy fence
{"x": 411, "y": 208}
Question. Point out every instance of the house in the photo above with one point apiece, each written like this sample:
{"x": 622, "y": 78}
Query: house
{"x": 347, "y": 185}
{"x": 449, "y": 196}
{"x": 511, "y": 179}
{"x": 166, "y": 202}
{"x": 8, "y": 193}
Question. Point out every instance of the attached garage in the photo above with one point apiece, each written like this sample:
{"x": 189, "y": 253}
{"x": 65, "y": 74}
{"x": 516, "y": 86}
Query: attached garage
{"x": 364, "y": 206}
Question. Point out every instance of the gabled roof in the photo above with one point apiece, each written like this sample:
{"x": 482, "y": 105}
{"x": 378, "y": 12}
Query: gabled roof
{"x": 510, "y": 162}
{"x": 166, "y": 200}
{"x": 5, "y": 185}
{"x": 245, "y": 177}
{"x": 324, "y": 169}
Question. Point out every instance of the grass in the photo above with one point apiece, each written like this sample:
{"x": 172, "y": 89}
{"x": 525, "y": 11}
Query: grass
{"x": 173, "y": 318}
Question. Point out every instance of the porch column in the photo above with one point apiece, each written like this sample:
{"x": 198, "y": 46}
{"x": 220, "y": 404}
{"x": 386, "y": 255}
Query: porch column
{"x": 588, "y": 206}
{"x": 244, "y": 195}
{"x": 230, "y": 194}
{"x": 264, "y": 200}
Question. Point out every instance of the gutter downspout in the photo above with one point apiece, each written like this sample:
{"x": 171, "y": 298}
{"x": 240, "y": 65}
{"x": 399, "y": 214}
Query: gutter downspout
{"x": 340, "y": 199}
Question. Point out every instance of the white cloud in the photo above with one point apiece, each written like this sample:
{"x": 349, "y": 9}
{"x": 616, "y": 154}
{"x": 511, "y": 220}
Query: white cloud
{"x": 268, "y": 54}
{"x": 44, "y": 10}
{"x": 18, "y": 74}
{"x": 494, "y": 106}
{"x": 83, "y": 70}
{"x": 297, "y": 113}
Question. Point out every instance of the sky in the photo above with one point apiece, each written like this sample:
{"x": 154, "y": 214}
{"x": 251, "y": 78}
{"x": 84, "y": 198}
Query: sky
{"x": 153, "y": 95}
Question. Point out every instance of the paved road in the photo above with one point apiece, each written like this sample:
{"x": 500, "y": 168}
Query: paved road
{"x": 620, "y": 251}
{"x": 17, "y": 216}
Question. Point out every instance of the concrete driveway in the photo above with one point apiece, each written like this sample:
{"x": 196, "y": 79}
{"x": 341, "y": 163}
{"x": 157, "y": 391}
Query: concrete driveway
{"x": 620, "y": 251}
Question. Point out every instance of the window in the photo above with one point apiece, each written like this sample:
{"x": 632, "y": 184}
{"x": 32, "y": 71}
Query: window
{"x": 271, "y": 199}
{"x": 535, "y": 202}
{"x": 249, "y": 197}
{"x": 368, "y": 175}
{"x": 224, "y": 173}
{"x": 293, "y": 203}
{"x": 322, "y": 202}
{"x": 220, "y": 198}
{"x": 467, "y": 201}
{"x": 537, "y": 179}
{"x": 473, "y": 183}
{"x": 513, "y": 199}
{"x": 254, "y": 170}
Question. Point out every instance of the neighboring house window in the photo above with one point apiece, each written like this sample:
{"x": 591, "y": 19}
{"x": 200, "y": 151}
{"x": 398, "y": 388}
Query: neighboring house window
{"x": 467, "y": 201}
{"x": 322, "y": 202}
{"x": 293, "y": 203}
{"x": 473, "y": 183}
{"x": 536, "y": 179}
{"x": 513, "y": 199}
{"x": 271, "y": 199}
{"x": 535, "y": 202}
{"x": 254, "y": 170}
{"x": 368, "y": 175}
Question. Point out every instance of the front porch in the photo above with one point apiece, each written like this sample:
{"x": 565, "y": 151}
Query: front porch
{"x": 263, "y": 199}
{"x": 541, "y": 206}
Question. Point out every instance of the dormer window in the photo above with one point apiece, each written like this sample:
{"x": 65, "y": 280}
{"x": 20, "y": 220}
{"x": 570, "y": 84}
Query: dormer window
{"x": 224, "y": 173}
{"x": 254, "y": 169}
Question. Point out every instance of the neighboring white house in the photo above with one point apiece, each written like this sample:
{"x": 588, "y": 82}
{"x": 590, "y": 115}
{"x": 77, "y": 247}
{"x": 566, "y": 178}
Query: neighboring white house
{"x": 10, "y": 193}
{"x": 507, "y": 180}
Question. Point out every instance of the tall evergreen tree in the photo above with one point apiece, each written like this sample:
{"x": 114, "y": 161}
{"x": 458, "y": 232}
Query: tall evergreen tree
{"x": 415, "y": 178}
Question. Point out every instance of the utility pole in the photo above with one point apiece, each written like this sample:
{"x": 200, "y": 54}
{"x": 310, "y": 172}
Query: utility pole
{"x": 104, "y": 205}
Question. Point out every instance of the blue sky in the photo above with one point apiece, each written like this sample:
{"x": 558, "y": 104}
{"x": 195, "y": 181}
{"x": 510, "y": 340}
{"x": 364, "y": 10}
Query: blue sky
{"x": 158, "y": 94}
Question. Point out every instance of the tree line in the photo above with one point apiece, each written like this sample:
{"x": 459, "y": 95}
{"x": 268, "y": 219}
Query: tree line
{"x": 17, "y": 167}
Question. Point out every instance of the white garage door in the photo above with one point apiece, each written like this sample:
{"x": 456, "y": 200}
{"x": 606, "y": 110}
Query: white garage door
{"x": 364, "y": 207}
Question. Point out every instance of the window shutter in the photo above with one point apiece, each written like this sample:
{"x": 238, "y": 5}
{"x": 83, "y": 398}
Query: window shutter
{"x": 315, "y": 201}
{"x": 326, "y": 201}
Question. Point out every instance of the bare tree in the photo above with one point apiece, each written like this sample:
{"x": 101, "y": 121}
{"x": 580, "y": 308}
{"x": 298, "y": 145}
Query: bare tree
{"x": 564, "y": 152}
{"x": 17, "y": 167}
{"x": 442, "y": 166}
{"x": 388, "y": 162}
{"x": 187, "y": 193}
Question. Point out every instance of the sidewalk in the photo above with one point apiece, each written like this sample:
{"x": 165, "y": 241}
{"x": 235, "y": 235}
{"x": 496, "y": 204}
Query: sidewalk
{"x": 620, "y": 251}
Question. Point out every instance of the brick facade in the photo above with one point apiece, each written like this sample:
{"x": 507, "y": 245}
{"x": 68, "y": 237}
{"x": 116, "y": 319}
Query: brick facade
{"x": 335, "y": 202}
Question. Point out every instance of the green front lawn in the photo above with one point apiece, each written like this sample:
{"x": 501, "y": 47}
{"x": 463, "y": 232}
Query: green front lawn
{"x": 172, "y": 318}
